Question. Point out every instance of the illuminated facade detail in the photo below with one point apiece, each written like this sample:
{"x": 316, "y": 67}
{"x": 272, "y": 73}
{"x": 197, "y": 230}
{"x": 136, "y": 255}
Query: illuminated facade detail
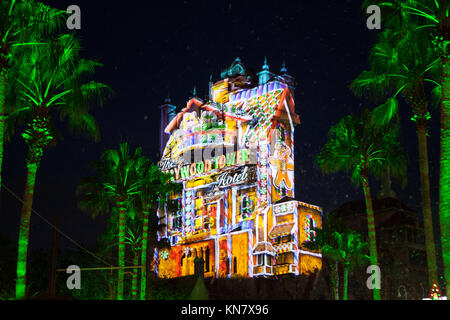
{"x": 164, "y": 254}
{"x": 310, "y": 224}
{"x": 233, "y": 155}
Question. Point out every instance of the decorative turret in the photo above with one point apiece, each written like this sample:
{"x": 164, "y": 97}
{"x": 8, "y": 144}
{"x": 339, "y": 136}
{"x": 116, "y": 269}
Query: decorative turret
{"x": 286, "y": 77}
{"x": 264, "y": 74}
{"x": 168, "y": 112}
{"x": 210, "y": 86}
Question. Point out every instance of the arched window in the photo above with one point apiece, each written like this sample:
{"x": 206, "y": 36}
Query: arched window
{"x": 246, "y": 206}
{"x": 310, "y": 223}
{"x": 207, "y": 259}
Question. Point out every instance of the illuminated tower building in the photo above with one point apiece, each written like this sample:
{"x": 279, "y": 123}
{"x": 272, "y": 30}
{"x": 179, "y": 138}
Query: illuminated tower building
{"x": 234, "y": 157}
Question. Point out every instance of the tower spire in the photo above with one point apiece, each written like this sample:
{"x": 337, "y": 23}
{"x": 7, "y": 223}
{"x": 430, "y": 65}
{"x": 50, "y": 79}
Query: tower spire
{"x": 264, "y": 74}
{"x": 283, "y": 67}
{"x": 210, "y": 86}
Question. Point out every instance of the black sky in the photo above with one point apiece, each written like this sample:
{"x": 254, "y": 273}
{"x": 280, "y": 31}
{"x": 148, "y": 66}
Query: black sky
{"x": 154, "y": 49}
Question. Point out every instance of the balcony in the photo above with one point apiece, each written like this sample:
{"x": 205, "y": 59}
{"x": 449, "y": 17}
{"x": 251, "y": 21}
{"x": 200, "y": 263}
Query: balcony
{"x": 284, "y": 269}
{"x": 262, "y": 270}
{"x": 285, "y": 247}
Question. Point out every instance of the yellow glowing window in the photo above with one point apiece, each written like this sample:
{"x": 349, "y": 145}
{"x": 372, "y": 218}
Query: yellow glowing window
{"x": 198, "y": 223}
{"x": 198, "y": 203}
{"x": 285, "y": 258}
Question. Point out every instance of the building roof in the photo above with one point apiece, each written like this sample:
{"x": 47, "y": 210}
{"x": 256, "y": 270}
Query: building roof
{"x": 264, "y": 247}
{"x": 284, "y": 199}
{"x": 387, "y": 212}
{"x": 281, "y": 230}
{"x": 248, "y": 104}
{"x": 358, "y": 206}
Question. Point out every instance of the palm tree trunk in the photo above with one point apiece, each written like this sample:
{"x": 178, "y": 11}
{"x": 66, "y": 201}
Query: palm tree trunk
{"x": 426, "y": 200}
{"x": 150, "y": 265}
{"x": 24, "y": 231}
{"x": 345, "y": 284}
{"x": 111, "y": 287}
{"x": 134, "y": 281}
{"x": 444, "y": 183}
{"x": 121, "y": 251}
{"x": 335, "y": 280}
{"x": 371, "y": 228}
{"x": 144, "y": 255}
{"x": 2, "y": 118}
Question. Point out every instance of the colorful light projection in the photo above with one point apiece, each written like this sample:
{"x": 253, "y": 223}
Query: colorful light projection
{"x": 282, "y": 166}
{"x": 263, "y": 174}
{"x": 310, "y": 224}
{"x": 225, "y": 191}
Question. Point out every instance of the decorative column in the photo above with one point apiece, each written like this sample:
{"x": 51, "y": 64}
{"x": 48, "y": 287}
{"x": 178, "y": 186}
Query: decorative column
{"x": 250, "y": 254}
{"x": 229, "y": 255}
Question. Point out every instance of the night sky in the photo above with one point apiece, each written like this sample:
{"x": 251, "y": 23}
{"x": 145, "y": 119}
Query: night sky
{"x": 151, "y": 50}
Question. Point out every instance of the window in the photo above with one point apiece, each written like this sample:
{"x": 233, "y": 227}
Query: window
{"x": 260, "y": 260}
{"x": 246, "y": 206}
{"x": 310, "y": 224}
{"x": 264, "y": 259}
{"x": 235, "y": 265}
{"x": 207, "y": 259}
{"x": 417, "y": 257}
{"x": 268, "y": 260}
{"x": 206, "y": 223}
{"x": 420, "y": 237}
{"x": 285, "y": 258}
{"x": 409, "y": 234}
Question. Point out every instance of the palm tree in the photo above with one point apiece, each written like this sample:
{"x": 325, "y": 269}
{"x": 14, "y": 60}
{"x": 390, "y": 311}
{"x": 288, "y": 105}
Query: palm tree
{"x": 434, "y": 16}
{"x": 115, "y": 186}
{"x": 50, "y": 79}
{"x": 401, "y": 65}
{"x": 133, "y": 238}
{"x": 340, "y": 245}
{"x": 324, "y": 238}
{"x": 362, "y": 146}
{"x": 351, "y": 254}
{"x": 155, "y": 192}
{"x": 22, "y": 23}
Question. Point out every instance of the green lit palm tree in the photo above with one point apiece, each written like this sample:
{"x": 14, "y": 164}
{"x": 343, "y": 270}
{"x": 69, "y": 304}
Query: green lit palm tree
{"x": 133, "y": 238}
{"x": 351, "y": 254}
{"x": 340, "y": 245}
{"x": 324, "y": 240}
{"x": 50, "y": 79}
{"x": 22, "y": 24}
{"x": 434, "y": 16}
{"x": 155, "y": 191}
{"x": 115, "y": 186}
{"x": 362, "y": 146}
{"x": 401, "y": 63}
